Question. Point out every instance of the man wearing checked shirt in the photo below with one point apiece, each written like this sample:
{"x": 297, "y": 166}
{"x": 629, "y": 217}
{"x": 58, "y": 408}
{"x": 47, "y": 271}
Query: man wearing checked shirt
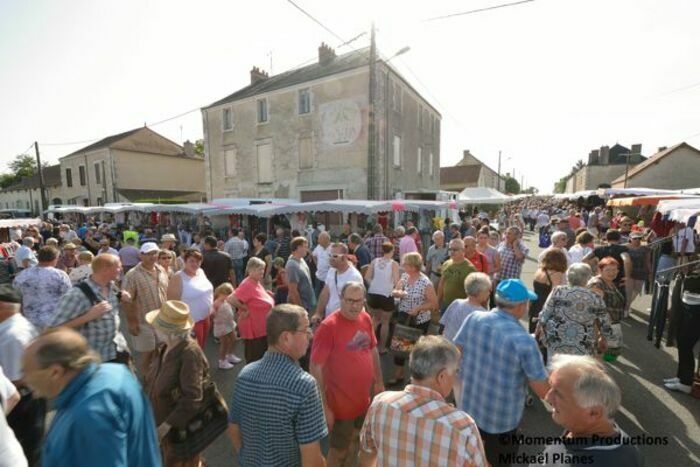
{"x": 498, "y": 358}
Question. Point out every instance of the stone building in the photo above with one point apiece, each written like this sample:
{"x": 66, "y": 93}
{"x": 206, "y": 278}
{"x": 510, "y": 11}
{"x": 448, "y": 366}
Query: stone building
{"x": 470, "y": 172}
{"x": 604, "y": 165}
{"x": 304, "y": 134}
{"x": 135, "y": 165}
{"x": 673, "y": 168}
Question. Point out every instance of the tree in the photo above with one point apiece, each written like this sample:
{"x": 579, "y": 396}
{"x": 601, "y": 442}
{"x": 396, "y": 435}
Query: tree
{"x": 23, "y": 165}
{"x": 199, "y": 147}
{"x": 560, "y": 186}
{"x": 512, "y": 186}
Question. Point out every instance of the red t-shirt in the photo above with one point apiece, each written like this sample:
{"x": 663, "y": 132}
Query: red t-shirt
{"x": 480, "y": 262}
{"x": 344, "y": 349}
{"x": 259, "y": 303}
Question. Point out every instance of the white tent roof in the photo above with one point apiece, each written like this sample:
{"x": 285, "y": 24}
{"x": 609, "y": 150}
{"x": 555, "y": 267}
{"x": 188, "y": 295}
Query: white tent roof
{"x": 482, "y": 195}
{"x": 640, "y": 191}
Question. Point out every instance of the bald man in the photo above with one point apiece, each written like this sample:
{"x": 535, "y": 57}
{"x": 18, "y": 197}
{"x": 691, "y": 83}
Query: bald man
{"x": 92, "y": 309}
{"x": 102, "y": 415}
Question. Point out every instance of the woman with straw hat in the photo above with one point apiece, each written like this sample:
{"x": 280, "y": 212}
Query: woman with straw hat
{"x": 177, "y": 373}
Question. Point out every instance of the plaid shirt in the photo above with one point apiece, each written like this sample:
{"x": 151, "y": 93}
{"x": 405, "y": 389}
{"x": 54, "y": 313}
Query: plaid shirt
{"x": 277, "y": 406}
{"x": 148, "y": 290}
{"x": 510, "y": 266}
{"x": 374, "y": 245}
{"x": 102, "y": 333}
{"x": 417, "y": 427}
{"x": 499, "y": 357}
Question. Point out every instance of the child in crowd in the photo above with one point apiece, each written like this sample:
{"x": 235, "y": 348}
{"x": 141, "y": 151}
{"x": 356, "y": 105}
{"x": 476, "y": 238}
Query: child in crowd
{"x": 281, "y": 286}
{"x": 225, "y": 326}
{"x": 84, "y": 270}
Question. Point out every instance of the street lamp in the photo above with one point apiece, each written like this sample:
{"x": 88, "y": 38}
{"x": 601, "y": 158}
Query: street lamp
{"x": 499, "y": 169}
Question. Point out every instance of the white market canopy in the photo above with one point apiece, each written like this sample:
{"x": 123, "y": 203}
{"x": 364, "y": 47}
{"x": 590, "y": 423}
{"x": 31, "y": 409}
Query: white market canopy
{"x": 482, "y": 195}
{"x": 679, "y": 210}
{"x": 19, "y": 223}
{"x": 640, "y": 191}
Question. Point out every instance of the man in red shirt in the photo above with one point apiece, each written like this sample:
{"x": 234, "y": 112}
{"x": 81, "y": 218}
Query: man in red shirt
{"x": 478, "y": 259}
{"x": 345, "y": 362}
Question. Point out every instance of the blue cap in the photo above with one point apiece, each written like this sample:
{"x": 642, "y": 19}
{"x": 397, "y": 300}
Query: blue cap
{"x": 514, "y": 290}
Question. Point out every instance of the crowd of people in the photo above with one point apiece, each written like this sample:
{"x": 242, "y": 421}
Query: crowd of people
{"x": 316, "y": 312}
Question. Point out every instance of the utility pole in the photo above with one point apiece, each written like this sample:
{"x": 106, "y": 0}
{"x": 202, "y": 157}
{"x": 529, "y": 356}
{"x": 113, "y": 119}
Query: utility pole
{"x": 42, "y": 188}
{"x": 372, "y": 137}
{"x": 499, "y": 170}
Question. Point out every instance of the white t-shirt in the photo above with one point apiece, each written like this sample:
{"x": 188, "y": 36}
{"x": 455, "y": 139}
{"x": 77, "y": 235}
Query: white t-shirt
{"x": 322, "y": 256}
{"x": 682, "y": 234}
{"x": 335, "y": 282}
{"x": 24, "y": 252}
{"x": 11, "y": 454}
{"x": 16, "y": 332}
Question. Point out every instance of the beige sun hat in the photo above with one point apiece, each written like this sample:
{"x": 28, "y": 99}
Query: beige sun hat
{"x": 172, "y": 316}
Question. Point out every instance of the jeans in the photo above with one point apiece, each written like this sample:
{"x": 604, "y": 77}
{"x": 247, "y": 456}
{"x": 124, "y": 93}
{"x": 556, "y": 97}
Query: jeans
{"x": 239, "y": 269}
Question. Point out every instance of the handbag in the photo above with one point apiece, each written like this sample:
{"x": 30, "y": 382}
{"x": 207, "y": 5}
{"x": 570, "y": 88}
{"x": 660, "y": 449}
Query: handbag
{"x": 204, "y": 427}
{"x": 404, "y": 337}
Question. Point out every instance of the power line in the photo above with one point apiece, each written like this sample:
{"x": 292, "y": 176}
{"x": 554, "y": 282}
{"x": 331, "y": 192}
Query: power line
{"x": 315, "y": 20}
{"x": 176, "y": 116}
{"x": 70, "y": 143}
{"x": 479, "y": 10}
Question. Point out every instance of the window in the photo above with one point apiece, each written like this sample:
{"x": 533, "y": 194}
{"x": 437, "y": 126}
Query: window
{"x": 230, "y": 161}
{"x": 36, "y": 205}
{"x": 262, "y": 110}
{"x": 98, "y": 173}
{"x": 304, "y": 101}
{"x": 99, "y": 201}
{"x": 419, "y": 160}
{"x": 397, "y": 151}
{"x": 396, "y": 97}
{"x": 81, "y": 174}
{"x": 430, "y": 165}
{"x": 265, "y": 163}
{"x": 420, "y": 117}
{"x": 306, "y": 156}
{"x": 69, "y": 178}
{"x": 227, "y": 119}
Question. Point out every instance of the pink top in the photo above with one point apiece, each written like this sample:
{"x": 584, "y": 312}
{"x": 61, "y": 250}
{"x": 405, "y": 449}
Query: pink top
{"x": 259, "y": 303}
{"x": 407, "y": 245}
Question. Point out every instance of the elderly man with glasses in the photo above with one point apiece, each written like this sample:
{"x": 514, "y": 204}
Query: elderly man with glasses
{"x": 345, "y": 363}
{"x": 339, "y": 273}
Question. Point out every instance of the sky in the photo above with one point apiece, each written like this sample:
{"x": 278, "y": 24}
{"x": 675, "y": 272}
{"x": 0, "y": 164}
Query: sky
{"x": 544, "y": 82}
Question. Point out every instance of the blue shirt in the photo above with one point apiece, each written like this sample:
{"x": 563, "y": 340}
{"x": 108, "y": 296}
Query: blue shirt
{"x": 277, "y": 406}
{"x": 498, "y": 359}
{"x": 102, "y": 418}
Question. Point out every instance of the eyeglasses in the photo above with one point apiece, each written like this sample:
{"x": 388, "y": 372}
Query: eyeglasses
{"x": 455, "y": 249}
{"x": 307, "y": 331}
{"x": 337, "y": 256}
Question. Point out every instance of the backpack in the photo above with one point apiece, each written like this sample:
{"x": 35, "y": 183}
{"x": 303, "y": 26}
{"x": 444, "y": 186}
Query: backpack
{"x": 545, "y": 238}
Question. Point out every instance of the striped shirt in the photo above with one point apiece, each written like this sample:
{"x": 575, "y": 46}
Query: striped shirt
{"x": 374, "y": 244}
{"x": 417, "y": 427}
{"x": 148, "y": 289}
{"x": 277, "y": 406}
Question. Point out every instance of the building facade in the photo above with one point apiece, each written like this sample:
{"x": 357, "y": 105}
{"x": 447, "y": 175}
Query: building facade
{"x": 604, "y": 165}
{"x": 470, "y": 172}
{"x": 673, "y": 168}
{"x": 304, "y": 134}
{"x": 26, "y": 194}
{"x": 133, "y": 166}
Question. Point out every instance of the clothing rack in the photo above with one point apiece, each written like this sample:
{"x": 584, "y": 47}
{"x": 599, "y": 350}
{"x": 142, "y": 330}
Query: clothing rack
{"x": 659, "y": 302}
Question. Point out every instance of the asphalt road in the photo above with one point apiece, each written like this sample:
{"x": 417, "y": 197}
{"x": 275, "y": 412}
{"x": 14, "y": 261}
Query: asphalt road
{"x": 647, "y": 407}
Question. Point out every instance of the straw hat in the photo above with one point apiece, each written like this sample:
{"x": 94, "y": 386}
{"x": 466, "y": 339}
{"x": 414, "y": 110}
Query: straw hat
{"x": 172, "y": 316}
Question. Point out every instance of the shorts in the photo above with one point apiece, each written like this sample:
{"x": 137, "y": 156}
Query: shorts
{"x": 146, "y": 340}
{"x": 343, "y": 431}
{"x": 380, "y": 302}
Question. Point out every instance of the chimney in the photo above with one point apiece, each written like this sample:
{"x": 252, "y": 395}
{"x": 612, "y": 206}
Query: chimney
{"x": 188, "y": 147}
{"x": 636, "y": 151}
{"x": 593, "y": 157}
{"x": 325, "y": 54}
{"x": 604, "y": 155}
{"x": 662, "y": 148}
{"x": 257, "y": 75}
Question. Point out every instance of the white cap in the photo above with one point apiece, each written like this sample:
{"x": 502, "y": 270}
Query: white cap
{"x": 148, "y": 247}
